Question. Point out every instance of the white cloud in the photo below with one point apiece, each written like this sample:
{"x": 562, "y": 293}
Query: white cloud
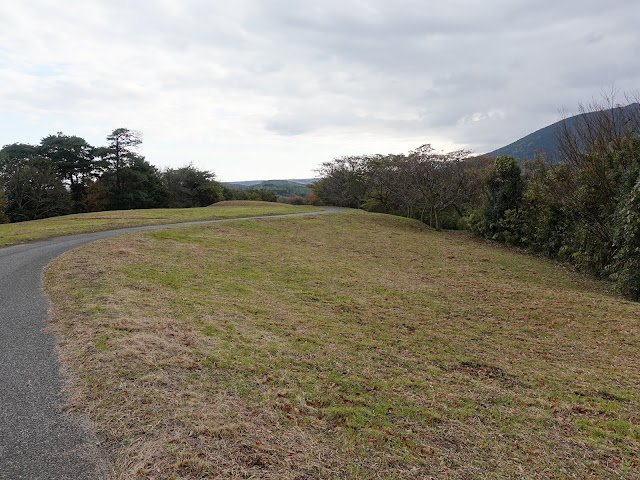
{"x": 255, "y": 89}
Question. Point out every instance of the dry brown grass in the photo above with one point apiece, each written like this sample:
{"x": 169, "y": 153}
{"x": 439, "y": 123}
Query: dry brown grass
{"x": 345, "y": 346}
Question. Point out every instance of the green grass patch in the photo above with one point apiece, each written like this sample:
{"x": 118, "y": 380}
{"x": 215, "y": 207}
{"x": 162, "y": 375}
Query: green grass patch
{"x": 12, "y": 233}
{"x": 348, "y": 345}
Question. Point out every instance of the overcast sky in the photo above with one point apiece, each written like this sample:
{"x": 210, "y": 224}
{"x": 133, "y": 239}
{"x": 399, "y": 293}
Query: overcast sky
{"x": 268, "y": 89}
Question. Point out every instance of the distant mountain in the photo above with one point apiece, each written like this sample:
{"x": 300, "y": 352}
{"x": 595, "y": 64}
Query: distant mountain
{"x": 244, "y": 184}
{"x": 303, "y": 181}
{"x": 286, "y": 188}
{"x": 544, "y": 140}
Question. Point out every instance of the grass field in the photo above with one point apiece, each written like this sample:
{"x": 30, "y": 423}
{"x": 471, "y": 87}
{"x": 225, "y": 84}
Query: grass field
{"x": 345, "y": 346}
{"x": 21, "y": 232}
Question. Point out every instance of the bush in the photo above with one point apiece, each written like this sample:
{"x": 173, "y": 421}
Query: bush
{"x": 585, "y": 211}
{"x": 293, "y": 200}
{"x": 505, "y": 186}
{"x": 626, "y": 262}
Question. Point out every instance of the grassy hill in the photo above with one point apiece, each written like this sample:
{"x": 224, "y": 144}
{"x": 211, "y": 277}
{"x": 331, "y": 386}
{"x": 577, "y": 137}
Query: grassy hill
{"x": 12, "y": 233}
{"x": 543, "y": 139}
{"x": 345, "y": 346}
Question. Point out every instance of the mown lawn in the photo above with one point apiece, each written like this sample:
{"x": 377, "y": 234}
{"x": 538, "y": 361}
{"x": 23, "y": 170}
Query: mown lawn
{"x": 345, "y": 346}
{"x": 12, "y": 233}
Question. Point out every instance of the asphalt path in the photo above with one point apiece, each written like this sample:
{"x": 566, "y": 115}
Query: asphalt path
{"x": 38, "y": 439}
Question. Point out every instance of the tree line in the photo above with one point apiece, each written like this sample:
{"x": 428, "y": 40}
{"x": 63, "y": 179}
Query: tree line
{"x": 64, "y": 174}
{"x": 584, "y": 210}
{"x": 436, "y": 188}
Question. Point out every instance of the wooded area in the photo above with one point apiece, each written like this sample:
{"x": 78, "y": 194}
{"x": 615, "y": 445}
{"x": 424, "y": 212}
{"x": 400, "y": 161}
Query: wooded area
{"x": 64, "y": 174}
{"x": 584, "y": 210}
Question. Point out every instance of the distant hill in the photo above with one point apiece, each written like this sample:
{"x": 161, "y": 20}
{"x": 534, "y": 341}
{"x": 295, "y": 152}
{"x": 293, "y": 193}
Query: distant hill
{"x": 543, "y": 139}
{"x": 250, "y": 183}
{"x": 286, "y": 188}
{"x": 243, "y": 184}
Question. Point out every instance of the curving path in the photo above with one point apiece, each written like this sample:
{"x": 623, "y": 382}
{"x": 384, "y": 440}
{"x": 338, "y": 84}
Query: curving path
{"x": 38, "y": 439}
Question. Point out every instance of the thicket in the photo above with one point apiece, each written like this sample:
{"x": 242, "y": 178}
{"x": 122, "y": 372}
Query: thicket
{"x": 584, "y": 210}
{"x": 258, "y": 194}
{"x": 65, "y": 174}
{"x": 431, "y": 186}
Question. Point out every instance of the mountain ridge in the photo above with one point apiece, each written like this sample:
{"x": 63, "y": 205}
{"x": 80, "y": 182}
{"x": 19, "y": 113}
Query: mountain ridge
{"x": 543, "y": 140}
{"x": 249, "y": 183}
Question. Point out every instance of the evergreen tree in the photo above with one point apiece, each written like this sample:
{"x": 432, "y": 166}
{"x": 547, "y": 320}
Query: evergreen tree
{"x": 505, "y": 187}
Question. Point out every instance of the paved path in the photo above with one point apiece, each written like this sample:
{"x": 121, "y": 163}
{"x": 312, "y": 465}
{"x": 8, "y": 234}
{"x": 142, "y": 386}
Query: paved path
{"x": 38, "y": 440}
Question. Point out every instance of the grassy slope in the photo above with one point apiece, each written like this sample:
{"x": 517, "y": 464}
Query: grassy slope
{"x": 12, "y": 233}
{"x": 349, "y": 345}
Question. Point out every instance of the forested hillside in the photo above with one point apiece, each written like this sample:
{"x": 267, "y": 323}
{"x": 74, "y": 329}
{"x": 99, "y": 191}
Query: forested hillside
{"x": 287, "y": 191}
{"x": 545, "y": 140}
{"x": 279, "y": 187}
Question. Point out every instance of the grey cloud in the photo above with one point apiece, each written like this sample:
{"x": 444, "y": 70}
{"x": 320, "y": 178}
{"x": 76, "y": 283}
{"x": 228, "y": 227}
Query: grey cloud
{"x": 477, "y": 74}
{"x": 288, "y": 125}
{"x": 594, "y": 37}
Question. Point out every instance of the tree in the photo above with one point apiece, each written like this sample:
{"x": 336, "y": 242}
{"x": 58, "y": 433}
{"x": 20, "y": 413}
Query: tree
{"x": 505, "y": 187}
{"x": 3, "y": 205}
{"x": 598, "y": 128}
{"x": 441, "y": 181}
{"x": 343, "y": 183}
{"x": 379, "y": 179}
{"x": 260, "y": 195}
{"x": 312, "y": 199}
{"x": 75, "y": 163}
{"x": 256, "y": 194}
{"x": 404, "y": 194}
{"x": 598, "y": 185}
{"x": 585, "y": 210}
{"x": 15, "y": 156}
{"x": 423, "y": 184}
{"x": 71, "y": 155}
{"x": 34, "y": 191}
{"x": 120, "y": 152}
{"x": 136, "y": 185}
{"x": 625, "y": 267}
{"x": 94, "y": 198}
{"x": 31, "y": 186}
{"x": 190, "y": 187}
{"x": 129, "y": 180}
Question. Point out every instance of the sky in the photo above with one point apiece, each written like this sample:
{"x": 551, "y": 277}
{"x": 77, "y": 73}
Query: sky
{"x": 270, "y": 89}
